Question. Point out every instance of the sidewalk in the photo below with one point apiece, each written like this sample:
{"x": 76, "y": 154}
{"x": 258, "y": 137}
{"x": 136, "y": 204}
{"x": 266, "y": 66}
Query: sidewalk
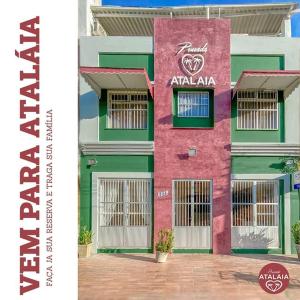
{"x": 184, "y": 276}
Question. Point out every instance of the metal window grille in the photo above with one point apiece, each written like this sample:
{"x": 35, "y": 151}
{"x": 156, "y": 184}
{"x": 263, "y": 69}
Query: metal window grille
{"x": 257, "y": 110}
{"x": 193, "y": 104}
{"x": 192, "y": 202}
{"x": 255, "y": 203}
{"x": 124, "y": 202}
{"x": 127, "y": 110}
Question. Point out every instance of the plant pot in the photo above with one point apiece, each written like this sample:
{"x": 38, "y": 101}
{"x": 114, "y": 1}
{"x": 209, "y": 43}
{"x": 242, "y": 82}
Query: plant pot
{"x": 84, "y": 250}
{"x": 298, "y": 250}
{"x": 161, "y": 257}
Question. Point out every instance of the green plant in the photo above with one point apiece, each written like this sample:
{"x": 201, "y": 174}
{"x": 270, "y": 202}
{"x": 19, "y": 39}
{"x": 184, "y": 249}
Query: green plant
{"x": 289, "y": 165}
{"x": 85, "y": 236}
{"x": 165, "y": 241}
{"x": 296, "y": 232}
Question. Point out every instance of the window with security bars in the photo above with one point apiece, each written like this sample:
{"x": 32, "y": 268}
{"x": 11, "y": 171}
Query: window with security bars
{"x": 124, "y": 202}
{"x": 193, "y": 104}
{"x": 257, "y": 110}
{"x": 127, "y": 110}
{"x": 255, "y": 203}
{"x": 192, "y": 201}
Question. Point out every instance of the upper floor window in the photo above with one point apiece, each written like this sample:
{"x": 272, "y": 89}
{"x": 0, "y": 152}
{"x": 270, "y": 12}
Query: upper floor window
{"x": 193, "y": 104}
{"x": 127, "y": 109}
{"x": 257, "y": 110}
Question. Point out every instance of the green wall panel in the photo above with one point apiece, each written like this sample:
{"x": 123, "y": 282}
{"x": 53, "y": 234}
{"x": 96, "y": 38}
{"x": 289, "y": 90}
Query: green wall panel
{"x": 106, "y": 163}
{"x": 281, "y": 215}
{"x": 194, "y": 122}
{"x": 256, "y": 165}
{"x": 108, "y": 134}
{"x": 240, "y": 63}
{"x": 258, "y": 136}
{"x": 295, "y": 196}
{"x": 127, "y": 61}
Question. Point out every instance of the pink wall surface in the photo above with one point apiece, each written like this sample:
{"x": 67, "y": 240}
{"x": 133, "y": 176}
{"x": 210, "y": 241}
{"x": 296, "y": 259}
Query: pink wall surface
{"x": 171, "y": 144}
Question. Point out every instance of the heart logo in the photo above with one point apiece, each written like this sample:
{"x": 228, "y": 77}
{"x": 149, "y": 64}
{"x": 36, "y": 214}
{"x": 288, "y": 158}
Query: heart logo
{"x": 274, "y": 285}
{"x": 192, "y": 64}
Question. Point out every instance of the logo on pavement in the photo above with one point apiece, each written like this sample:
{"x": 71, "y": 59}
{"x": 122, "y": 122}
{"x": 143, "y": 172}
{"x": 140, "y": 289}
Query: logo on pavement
{"x": 273, "y": 278}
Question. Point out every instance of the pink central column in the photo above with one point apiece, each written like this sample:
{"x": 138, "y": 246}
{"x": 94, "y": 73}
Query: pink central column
{"x": 213, "y": 144}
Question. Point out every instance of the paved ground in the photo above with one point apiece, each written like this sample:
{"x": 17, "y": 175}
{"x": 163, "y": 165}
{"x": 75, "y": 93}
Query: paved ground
{"x": 184, "y": 276}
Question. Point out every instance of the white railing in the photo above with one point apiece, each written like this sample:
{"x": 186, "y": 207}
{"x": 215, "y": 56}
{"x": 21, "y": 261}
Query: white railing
{"x": 127, "y": 110}
{"x": 257, "y": 110}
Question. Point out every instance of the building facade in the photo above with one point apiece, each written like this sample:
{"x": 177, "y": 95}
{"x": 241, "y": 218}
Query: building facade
{"x": 186, "y": 115}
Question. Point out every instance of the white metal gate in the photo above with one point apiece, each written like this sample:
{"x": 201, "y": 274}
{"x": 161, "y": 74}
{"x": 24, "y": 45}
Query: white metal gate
{"x": 192, "y": 214}
{"x": 255, "y": 214}
{"x": 124, "y": 213}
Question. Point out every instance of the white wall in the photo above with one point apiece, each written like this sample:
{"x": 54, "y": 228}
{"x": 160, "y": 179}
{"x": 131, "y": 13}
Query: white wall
{"x": 85, "y": 17}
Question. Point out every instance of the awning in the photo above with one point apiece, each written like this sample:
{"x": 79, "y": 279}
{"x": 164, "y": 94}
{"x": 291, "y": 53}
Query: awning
{"x": 109, "y": 78}
{"x": 252, "y": 19}
{"x": 285, "y": 81}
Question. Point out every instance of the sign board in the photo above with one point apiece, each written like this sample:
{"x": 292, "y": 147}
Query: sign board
{"x": 191, "y": 63}
{"x": 297, "y": 180}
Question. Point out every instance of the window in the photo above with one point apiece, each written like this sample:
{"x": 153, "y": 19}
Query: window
{"x": 127, "y": 110}
{"x": 192, "y": 201}
{"x": 193, "y": 104}
{"x": 257, "y": 110}
{"x": 124, "y": 202}
{"x": 255, "y": 203}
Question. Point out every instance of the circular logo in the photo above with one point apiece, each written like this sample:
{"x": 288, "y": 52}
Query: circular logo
{"x": 273, "y": 278}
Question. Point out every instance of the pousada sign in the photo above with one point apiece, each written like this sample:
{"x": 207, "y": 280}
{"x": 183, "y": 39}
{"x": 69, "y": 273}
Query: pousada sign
{"x": 200, "y": 81}
{"x": 191, "y": 63}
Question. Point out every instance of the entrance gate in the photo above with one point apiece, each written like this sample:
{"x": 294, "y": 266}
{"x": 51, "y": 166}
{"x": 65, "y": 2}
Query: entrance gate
{"x": 192, "y": 214}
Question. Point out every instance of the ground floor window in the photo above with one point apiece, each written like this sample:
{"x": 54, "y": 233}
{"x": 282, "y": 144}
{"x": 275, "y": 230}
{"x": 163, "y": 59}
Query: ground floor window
{"x": 255, "y": 203}
{"x": 124, "y": 202}
{"x": 123, "y": 212}
{"x": 255, "y": 214}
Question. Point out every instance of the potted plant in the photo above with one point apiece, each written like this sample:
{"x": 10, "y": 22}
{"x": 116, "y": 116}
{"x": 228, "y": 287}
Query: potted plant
{"x": 85, "y": 242}
{"x": 296, "y": 236}
{"x": 164, "y": 244}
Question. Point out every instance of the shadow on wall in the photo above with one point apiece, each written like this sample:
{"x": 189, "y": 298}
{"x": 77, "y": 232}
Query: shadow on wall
{"x": 248, "y": 240}
{"x": 88, "y": 106}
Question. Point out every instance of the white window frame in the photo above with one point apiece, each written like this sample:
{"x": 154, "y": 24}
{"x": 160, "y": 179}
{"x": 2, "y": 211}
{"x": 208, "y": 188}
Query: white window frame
{"x": 129, "y": 93}
{"x": 193, "y": 92}
{"x": 254, "y": 204}
{"x": 257, "y": 99}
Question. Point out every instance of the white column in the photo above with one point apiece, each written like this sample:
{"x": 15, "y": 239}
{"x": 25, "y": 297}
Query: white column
{"x": 286, "y": 27}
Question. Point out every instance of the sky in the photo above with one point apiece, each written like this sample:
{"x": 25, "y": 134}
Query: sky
{"x": 159, "y": 3}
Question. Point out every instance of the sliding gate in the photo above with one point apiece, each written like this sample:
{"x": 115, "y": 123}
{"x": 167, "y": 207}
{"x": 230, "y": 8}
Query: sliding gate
{"x": 124, "y": 213}
{"x": 192, "y": 214}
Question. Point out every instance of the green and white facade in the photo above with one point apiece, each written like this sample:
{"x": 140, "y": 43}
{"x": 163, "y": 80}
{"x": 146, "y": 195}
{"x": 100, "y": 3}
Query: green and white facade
{"x": 204, "y": 159}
